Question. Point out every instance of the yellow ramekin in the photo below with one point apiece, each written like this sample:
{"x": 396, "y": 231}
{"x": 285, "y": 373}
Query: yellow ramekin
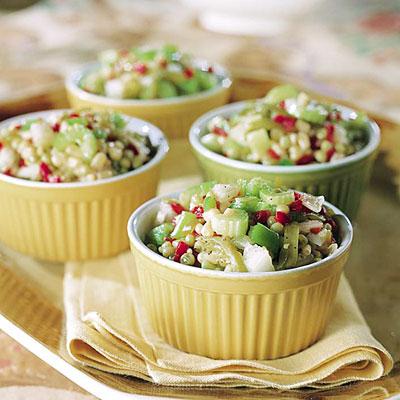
{"x": 342, "y": 182}
{"x": 223, "y": 315}
{"x": 174, "y": 116}
{"x": 79, "y": 220}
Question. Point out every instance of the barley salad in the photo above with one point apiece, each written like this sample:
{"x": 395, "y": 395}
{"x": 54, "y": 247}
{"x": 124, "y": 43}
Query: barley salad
{"x": 247, "y": 226}
{"x": 287, "y": 127}
{"x": 148, "y": 73}
{"x": 72, "y": 146}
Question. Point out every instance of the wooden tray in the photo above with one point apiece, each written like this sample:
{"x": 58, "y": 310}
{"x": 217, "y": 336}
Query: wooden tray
{"x": 373, "y": 271}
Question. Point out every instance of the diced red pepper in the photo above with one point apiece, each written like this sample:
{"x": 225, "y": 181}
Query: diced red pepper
{"x": 296, "y": 205}
{"x": 178, "y": 208}
{"x": 330, "y": 133}
{"x": 315, "y": 230}
{"x": 188, "y": 72}
{"x": 286, "y": 121}
{"x": 56, "y": 127}
{"x": 306, "y": 159}
{"x": 262, "y": 216}
{"x": 314, "y": 143}
{"x": 282, "y": 104}
{"x": 297, "y": 195}
{"x": 8, "y": 172}
{"x": 180, "y": 250}
{"x": 21, "y": 162}
{"x": 45, "y": 171}
{"x": 54, "y": 179}
{"x": 219, "y": 131}
{"x": 140, "y": 68}
{"x": 198, "y": 211}
{"x": 210, "y": 69}
{"x": 73, "y": 115}
{"x": 330, "y": 153}
{"x": 273, "y": 154}
{"x": 133, "y": 148}
{"x": 1, "y": 145}
{"x": 282, "y": 217}
{"x": 18, "y": 126}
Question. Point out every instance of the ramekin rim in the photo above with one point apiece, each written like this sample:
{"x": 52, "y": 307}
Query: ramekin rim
{"x": 73, "y": 78}
{"x": 138, "y": 243}
{"x": 162, "y": 151}
{"x": 198, "y": 125}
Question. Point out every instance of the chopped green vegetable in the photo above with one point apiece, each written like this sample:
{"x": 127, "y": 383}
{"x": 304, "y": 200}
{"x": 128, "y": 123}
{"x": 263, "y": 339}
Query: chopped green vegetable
{"x": 263, "y": 236}
{"x": 185, "y": 224}
{"x": 158, "y": 234}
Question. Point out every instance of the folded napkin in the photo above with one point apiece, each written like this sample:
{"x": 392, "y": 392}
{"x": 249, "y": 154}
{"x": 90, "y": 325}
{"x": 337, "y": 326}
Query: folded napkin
{"x": 107, "y": 328}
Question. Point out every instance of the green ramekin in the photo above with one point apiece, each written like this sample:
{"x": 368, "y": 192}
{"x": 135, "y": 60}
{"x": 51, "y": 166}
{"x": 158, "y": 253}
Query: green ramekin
{"x": 342, "y": 182}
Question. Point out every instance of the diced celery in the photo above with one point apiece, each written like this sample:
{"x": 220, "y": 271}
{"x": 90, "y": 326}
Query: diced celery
{"x": 100, "y": 133}
{"x": 290, "y": 251}
{"x": 93, "y": 83}
{"x": 166, "y": 89}
{"x": 211, "y": 141}
{"x": 27, "y": 124}
{"x": 263, "y": 236}
{"x": 159, "y": 233}
{"x": 169, "y": 50}
{"x": 144, "y": 54}
{"x": 253, "y": 122}
{"x": 185, "y": 224}
{"x": 258, "y": 142}
{"x": 202, "y": 189}
{"x": 277, "y": 197}
{"x": 118, "y": 120}
{"x": 233, "y": 149}
{"x": 255, "y": 185}
{"x": 314, "y": 113}
{"x": 223, "y": 250}
{"x": 61, "y": 141}
{"x": 232, "y": 223}
{"x": 77, "y": 121}
{"x": 208, "y": 265}
{"x": 189, "y": 86}
{"x": 148, "y": 91}
{"x": 209, "y": 202}
{"x": 248, "y": 203}
{"x": 206, "y": 80}
{"x": 89, "y": 146}
{"x": 279, "y": 93}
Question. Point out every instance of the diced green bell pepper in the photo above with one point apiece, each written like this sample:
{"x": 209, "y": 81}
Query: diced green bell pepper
{"x": 77, "y": 121}
{"x": 290, "y": 249}
{"x": 166, "y": 89}
{"x": 118, "y": 120}
{"x": 263, "y": 236}
{"x": 315, "y": 114}
{"x": 202, "y": 189}
{"x": 209, "y": 202}
{"x": 158, "y": 234}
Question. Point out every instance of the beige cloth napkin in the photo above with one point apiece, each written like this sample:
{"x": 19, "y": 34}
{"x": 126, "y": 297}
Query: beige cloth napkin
{"x": 107, "y": 329}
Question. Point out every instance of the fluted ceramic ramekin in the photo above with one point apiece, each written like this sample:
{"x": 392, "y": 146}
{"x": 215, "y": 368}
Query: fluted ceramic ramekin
{"x": 228, "y": 315}
{"x": 77, "y": 220}
{"x": 342, "y": 182}
{"x": 174, "y": 116}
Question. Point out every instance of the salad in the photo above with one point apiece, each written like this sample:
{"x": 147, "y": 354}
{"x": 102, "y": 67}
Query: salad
{"x": 247, "y": 226}
{"x": 287, "y": 127}
{"x": 72, "y": 146}
{"x": 147, "y": 73}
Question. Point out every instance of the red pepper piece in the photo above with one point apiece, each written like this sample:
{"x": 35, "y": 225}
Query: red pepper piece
{"x": 286, "y": 121}
{"x": 180, "y": 250}
{"x": 315, "y": 230}
{"x": 8, "y": 172}
{"x": 73, "y": 115}
{"x": 140, "y": 68}
{"x": 133, "y": 148}
{"x": 330, "y": 153}
{"x": 330, "y": 133}
{"x": 282, "y": 104}
{"x": 297, "y": 195}
{"x": 55, "y": 179}
{"x": 262, "y": 216}
{"x": 188, "y": 72}
{"x": 45, "y": 171}
{"x": 296, "y": 206}
{"x": 56, "y": 127}
{"x": 273, "y": 154}
{"x": 282, "y": 217}
{"x": 178, "y": 208}
{"x": 198, "y": 211}
{"x": 314, "y": 143}
{"x": 1, "y": 145}
{"x": 210, "y": 69}
{"x": 219, "y": 131}
{"x": 21, "y": 162}
{"x": 306, "y": 159}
